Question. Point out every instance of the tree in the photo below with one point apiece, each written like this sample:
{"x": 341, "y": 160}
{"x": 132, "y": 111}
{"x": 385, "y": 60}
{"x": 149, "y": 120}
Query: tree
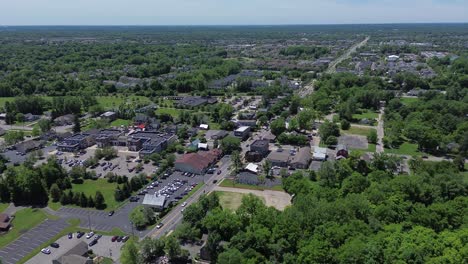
{"x": 372, "y": 137}
{"x": 172, "y": 247}
{"x": 151, "y": 249}
{"x": 278, "y": 126}
{"x": 129, "y": 253}
{"x": 230, "y": 144}
{"x": 305, "y": 118}
{"x": 236, "y": 161}
{"x": 328, "y": 129}
{"x": 331, "y": 141}
{"x": 142, "y": 216}
{"x": 55, "y": 193}
{"x": 231, "y": 256}
{"x": 76, "y": 124}
{"x": 267, "y": 168}
{"x": 345, "y": 125}
{"x": 45, "y": 125}
{"x": 99, "y": 201}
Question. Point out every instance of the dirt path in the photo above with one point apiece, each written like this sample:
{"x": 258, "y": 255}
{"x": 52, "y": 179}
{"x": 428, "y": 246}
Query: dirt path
{"x": 277, "y": 199}
{"x": 380, "y": 132}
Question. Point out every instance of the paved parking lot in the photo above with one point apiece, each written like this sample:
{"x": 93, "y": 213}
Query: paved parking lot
{"x": 105, "y": 247}
{"x": 26, "y": 243}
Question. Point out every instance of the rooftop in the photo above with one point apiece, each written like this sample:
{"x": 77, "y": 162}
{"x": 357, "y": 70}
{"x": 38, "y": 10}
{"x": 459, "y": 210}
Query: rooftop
{"x": 260, "y": 143}
{"x": 242, "y": 129}
{"x": 153, "y": 200}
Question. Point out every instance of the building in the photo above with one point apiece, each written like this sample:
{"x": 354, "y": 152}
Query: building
{"x": 76, "y": 142}
{"x": 242, "y": 132}
{"x": 108, "y": 137}
{"x": 29, "y": 145}
{"x": 5, "y": 222}
{"x": 149, "y": 142}
{"x": 341, "y": 152}
{"x": 30, "y": 117}
{"x": 219, "y": 134}
{"x": 320, "y": 154}
{"x": 248, "y": 123}
{"x": 279, "y": 158}
{"x": 194, "y": 101}
{"x": 77, "y": 255}
{"x": 246, "y": 177}
{"x": 252, "y": 167}
{"x": 260, "y": 146}
{"x": 64, "y": 120}
{"x": 199, "y": 162}
{"x": 302, "y": 159}
{"x": 393, "y": 58}
{"x": 109, "y": 115}
{"x": 267, "y": 135}
{"x": 156, "y": 202}
{"x": 204, "y": 126}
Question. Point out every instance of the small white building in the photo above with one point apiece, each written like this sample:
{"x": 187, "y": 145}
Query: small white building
{"x": 154, "y": 201}
{"x": 252, "y": 167}
{"x": 393, "y": 58}
{"x": 203, "y": 146}
{"x": 204, "y": 126}
{"x": 320, "y": 154}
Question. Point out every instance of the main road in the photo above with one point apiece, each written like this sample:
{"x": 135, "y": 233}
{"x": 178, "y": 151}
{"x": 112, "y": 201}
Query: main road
{"x": 309, "y": 88}
{"x": 174, "y": 217}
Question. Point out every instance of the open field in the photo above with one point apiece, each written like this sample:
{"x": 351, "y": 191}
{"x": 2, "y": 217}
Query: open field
{"x": 362, "y": 131}
{"x": 277, "y": 199}
{"x": 114, "y": 101}
{"x": 405, "y": 149}
{"x": 89, "y": 187}
{"x": 366, "y": 114}
{"x": 409, "y": 100}
{"x": 121, "y": 122}
{"x": 232, "y": 200}
{"x": 232, "y": 183}
{"x": 170, "y": 111}
{"x": 24, "y": 220}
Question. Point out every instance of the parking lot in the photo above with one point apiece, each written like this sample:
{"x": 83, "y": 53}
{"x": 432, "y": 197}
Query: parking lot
{"x": 35, "y": 237}
{"x": 104, "y": 247}
{"x": 353, "y": 141}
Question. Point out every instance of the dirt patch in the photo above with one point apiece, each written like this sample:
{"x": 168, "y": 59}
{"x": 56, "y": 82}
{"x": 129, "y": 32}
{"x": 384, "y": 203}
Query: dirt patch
{"x": 353, "y": 141}
{"x": 277, "y": 199}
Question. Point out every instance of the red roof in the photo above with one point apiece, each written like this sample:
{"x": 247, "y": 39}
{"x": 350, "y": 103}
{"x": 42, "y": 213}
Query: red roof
{"x": 200, "y": 160}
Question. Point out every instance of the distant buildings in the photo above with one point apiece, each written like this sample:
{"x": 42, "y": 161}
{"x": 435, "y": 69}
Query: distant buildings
{"x": 194, "y": 101}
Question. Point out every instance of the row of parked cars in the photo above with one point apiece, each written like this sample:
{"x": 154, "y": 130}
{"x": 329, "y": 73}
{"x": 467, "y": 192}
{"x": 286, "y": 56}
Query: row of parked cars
{"x": 122, "y": 239}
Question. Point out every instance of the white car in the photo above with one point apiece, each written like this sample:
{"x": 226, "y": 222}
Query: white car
{"x": 45, "y": 251}
{"x": 184, "y": 204}
{"x": 89, "y": 235}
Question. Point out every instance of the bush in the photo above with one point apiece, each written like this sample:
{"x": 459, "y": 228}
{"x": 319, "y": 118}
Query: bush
{"x": 331, "y": 140}
{"x": 345, "y": 125}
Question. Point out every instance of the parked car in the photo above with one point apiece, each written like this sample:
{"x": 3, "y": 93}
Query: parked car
{"x": 55, "y": 245}
{"x": 111, "y": 213}
{"x": 184, "y": 204}
{"x": 219, "y": 172}
{"x": 119, "y": 238}
{"x": 134, "y": 199}
{"x": 125, "y": 238}
{"x": 90, "y": 235}
{"x": 92, "y": 243}
{"x": 79, "y": 234}
{"x": 70, "y": 235}
{"x": 114, "y": 238}
{"x": 45, "y": 251}
{"x": 98, "y": 237}
{"x": 158, "y": 226}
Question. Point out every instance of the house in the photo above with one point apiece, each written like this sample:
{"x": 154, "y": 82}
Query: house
{"x": 320, "y": 154}
{"x": 29, "y": 145}
{"x": 260, "y": 146}
{"x": 108, "y": 137}
{"x": 302, "y": 159}
{"x": 64, "y": 120}
{"x": 5, "y": 222}
{"x": 219, "y": 134}
{"x": 246, "y": 177}
{"x": 242, "y": 132}
{"x": 248, "y": 123}
{"x": 202, "y": 146}
{"x": 76, "y": 142}
{"x": 30, "y": 117}
{"x": 197, "y": 163}
{"x": 147, "y": 122}
{"x": 149, "y": 142}
{"x": 109, "y": 115}
{"x": 341, "y": 152}
{"x": 76, "y": 255}
{"x": 279, "y": 158}
{"x": 156, "y": 202}
{"x": 267, "y": 135}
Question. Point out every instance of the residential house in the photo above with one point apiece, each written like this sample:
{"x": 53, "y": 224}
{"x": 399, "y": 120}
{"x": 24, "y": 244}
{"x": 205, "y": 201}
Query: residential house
{"x": 341, "y": 152}
{"x": 246, "y": 177}
{"x": 260, "y": 146}
{"x": 320, "y": 154}
{"x": 64, "y": 120}
{"x": 198, "y": 162}
{"x": 29, "y": 145}
{"x": 247, "y": 123}
{"x": 219, "y": 134}
{"x": 302, "y": 158}
{"x": 109, "y": 115}
{"x": 279, "y": 158}
{"x": 30, "y": 117}
{"x": 242, "y": 132}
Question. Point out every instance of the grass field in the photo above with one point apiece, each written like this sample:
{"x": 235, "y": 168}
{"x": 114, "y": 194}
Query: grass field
{"x": 366, "y": 114}
{"x": 232, "y": 183}
{"x": 89, "y": 187}
{"x": 353, "y": 130}
{"x": 121, "y": 122}
{"x": 170, "y": 111}
{"x": 114, "y": 101}
{"x": 405, "y": 149}
{"x": 3, "y": 206}
{"x": 407, "y": 101}
{"x": 232, "y": 200}
{"x": 24, "y": 220}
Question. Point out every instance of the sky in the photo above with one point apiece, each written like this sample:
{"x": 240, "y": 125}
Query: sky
{"x": 229, "y": 12}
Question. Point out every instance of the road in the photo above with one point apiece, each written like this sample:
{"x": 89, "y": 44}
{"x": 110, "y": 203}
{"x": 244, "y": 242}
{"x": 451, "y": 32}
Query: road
{"x": 380, "y": 132}
{"x": 309, "y": 88}
{"x": 174, "y": 217}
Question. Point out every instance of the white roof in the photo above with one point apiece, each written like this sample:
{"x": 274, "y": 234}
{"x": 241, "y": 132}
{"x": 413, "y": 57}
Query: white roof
{"x": 252, "y": 167}
{"x": 204, "y": 126}
{"x": 319, "y": 156}
{"x": 108, "y": 113}
{"x": 320, "y": 150}
{"x": 203, "y": 145}
{"x": 242, "y": 128}
{"x": 153, "y": 200}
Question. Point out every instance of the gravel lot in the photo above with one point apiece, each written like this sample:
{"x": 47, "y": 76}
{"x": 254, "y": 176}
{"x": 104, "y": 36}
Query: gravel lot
{"x": 353, "y": 141}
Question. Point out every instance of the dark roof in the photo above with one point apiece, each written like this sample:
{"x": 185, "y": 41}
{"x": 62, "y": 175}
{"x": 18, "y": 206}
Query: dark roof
{"x": 260, "y": 143}
{"x": 4, "y": 220}
{"x": 247, "y": 178}
{"x": 28, "y": 145}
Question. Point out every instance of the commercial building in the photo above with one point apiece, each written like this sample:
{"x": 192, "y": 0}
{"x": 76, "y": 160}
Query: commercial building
{"x": 149, "y": 142}
{"x": 260, "y": 146}
{"x": 156, "y": 202}
{"x": 242, "y": 132}
{"x": 108, "y": 137}
{"x": 198, "y": 162}
{"x": 76, "y": 142}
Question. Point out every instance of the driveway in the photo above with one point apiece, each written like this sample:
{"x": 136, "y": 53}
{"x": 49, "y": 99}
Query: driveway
{"x": 380, "y": 132}
{"x": 35, "y": 237}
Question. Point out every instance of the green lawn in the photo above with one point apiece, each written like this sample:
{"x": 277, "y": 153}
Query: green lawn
{"x": 231, "y": 200}
{"x": 121, "y": 122}
{"x": 232, "y": 183}
{"x": 357, "y": 131}
{"x": 405, "y": 149}
{"x": 115, "y": 100}
{"x": 366, "y": 114}
{"x": 3, "y": 206}
{"x": 170, "y": 111}
{"x": 54, "y": 206}
{"x": 89, "y": 187}
{"x": 24, "y": 220}
{"x": 407, "y": 101}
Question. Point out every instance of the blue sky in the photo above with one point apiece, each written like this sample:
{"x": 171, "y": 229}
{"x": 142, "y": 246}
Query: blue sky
{"x": 228, "y": 12}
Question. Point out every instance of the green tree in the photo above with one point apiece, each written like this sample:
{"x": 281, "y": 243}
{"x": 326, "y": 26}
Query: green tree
{"x": 230, "y": 144}
{"x": 129, "y": 253}
{"x": 45, "y": 125}
{"x": 55, "y": 193}
{"x": 345, "y": 125}
{"x": 328, "y": 129}
{"x": 151, "y": 249}
{"x": 236, "y": 161}
{"x": 372, "y": 137}
{"x": 278, "y": 126}
{"x": 76, "y": 124}
{"x": 99, "y": 201}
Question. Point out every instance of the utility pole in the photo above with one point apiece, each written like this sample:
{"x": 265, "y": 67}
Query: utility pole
{"x": 131, "y": 223}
